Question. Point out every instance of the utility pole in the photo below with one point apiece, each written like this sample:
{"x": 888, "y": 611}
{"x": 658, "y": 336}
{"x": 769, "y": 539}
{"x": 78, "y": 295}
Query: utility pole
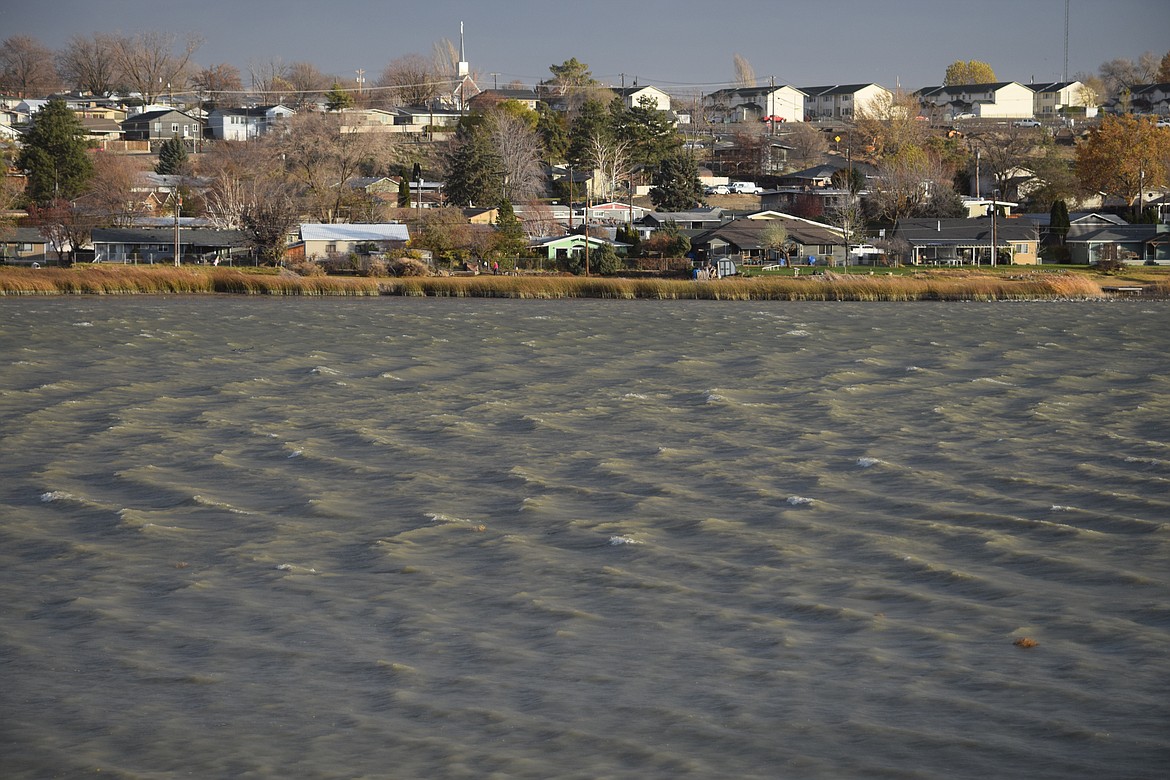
{"x": 994, "y": 225}
{"x": 361, "y": 79}
{"x": 178, "y": 203}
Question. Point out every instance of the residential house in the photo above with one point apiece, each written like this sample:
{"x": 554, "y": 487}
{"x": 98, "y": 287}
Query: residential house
{"x": 615, "y": 212}
{"x": 561, "y": 248}
{"x": 24, "y": 246}
{"x": 323, "y": 240}
{"x": 1001, "y": 100}
{"x": 1144, "y": 99}
{"x": 842, "y": 101}
{"x": 753, "y": 104}
{"x": 157, "y": 245}
{"x": 635, "y": 95}
{"x": 244, "y": 124}
{"x": 969, "y": 241}
{"x": 490, "y": 97}
{"x": 689, "y": 222}
{"x": 1132, "y": 244}
{"x": 1060, "y": 98}
{"x": 809, "y": 241}
{"x": 162, "y": 125}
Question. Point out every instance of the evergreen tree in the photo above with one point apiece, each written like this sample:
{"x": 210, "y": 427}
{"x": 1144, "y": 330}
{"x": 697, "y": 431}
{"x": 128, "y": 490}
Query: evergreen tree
{"x": 628, "y": 234}
{"x": 650, "y": 135}
{"x": 1058, "y": 222}
{"x": 474, "y": 170}
{"x": 54, "y": 154}
{"x": 511, "y": 241}
{"x": 337, "y": 98}
{"x": 172, "y": 157}
{"x": 403, "y": 193}
{"x": 554, "y": 133}
{"x": 593, "y": 120}
{"x": 605, "y": 260}
{"x": 676, "y": 183}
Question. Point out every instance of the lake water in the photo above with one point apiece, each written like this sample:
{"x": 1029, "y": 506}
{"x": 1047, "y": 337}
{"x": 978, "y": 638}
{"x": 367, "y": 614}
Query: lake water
{"x": 407, "y": 538}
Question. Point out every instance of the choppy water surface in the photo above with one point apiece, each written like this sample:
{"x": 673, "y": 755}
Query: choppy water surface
{"x": 583, "y": 539}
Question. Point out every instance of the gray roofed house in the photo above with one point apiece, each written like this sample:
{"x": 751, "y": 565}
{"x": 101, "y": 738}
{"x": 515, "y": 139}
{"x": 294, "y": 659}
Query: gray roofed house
{"x": 157, "y": 245}
{"x": 161, "y": 125}
{"x": 1133, "y": 244}
{"x": 24, "y": 246}
{"x": 747, "y": 238}
{"x": 968, "y": 241}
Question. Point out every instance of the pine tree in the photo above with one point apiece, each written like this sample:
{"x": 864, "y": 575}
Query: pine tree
{"x": 474, "y": 171}
{"x": 511, "y": 240}
{"x": 172, "y": 157}
{"x": 676, "y": 183}
{"x": 55, "y": 156}
{"x": 403, "y": 193}
{"x": 337, "y": 98}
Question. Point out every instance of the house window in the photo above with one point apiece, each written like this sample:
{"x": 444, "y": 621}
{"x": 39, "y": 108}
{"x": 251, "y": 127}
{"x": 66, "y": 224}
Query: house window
{"x": 331, "y": 248}
{"x": 1020, "y": 249}
{"x": 174, "y": 127}
{"x": 158, "y": 128}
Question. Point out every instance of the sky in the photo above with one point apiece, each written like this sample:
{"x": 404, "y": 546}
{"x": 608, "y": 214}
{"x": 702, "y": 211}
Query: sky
{"x": 681, "y": 46}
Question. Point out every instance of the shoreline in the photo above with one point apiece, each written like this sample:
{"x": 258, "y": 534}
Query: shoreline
{"x": 924, "y": 286}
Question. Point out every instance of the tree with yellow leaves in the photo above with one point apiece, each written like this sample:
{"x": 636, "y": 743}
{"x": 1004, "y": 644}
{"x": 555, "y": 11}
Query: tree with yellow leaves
{"x": 962, "y": 72}
{"x": 1123, "y": 155}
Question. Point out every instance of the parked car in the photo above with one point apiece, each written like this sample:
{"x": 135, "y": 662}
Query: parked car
{"x": 718, "y": 189}
{"x": 1026, "y": 123}
{"x": 964, "y": 116}
{"x": 1162, "y": 123}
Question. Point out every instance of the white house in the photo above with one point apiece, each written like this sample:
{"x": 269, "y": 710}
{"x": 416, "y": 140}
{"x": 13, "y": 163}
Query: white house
{"x": 633, "y": 96}
{"x": 1003, "y": 100}
{"x": 1056, "y": 98}
{"x": 754, "y": 104}
{"x": 842, "y": 101}
{"x": 241, "y": 124}
{"x": 322, "y": 240}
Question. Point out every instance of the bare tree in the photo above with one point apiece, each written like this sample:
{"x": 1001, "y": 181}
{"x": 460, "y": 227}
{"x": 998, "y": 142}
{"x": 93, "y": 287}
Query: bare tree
{"x": 808, "y": 144}
{"x": 1121, "y": 73}
{"x": 906, "y": 182}
{"x": 611, "y": 158}
{"x": 87, "y": 63}
{"x": 26, "y": 67}
{"x": 518, "y": 148}
{"x": 1002, "y": 153}
{"x": 112, "y": 195}
{"x": 221, "y": 83}
{"x": 745, "y": 74}
{"x": 269, "y": 80}
{"x": 267, "y": 221}
{"x": 409, "y": 80}
{"x": 149, "y": 65}
{"x": 539, "y": 220}
{"x": 240, "y": 173}
{"x": 306, "y": 83}
{"x": 889, "y": 122}
{"x": 321, "y": 158}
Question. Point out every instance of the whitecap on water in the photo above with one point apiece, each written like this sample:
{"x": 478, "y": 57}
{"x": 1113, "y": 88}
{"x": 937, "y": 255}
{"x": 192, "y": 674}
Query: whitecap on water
{"x": 56, "y": 495}
{"x": 867, "y": 462}
{"x": 324, "y": 370}
{"x": 797, "y": 332}
{"x": 799, "y": 500}
{"x": 619, "y": 540}
{"x": 83, "y": 324}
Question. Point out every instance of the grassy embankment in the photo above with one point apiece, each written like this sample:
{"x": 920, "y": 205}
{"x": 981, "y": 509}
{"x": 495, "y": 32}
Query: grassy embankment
{"x": 960, "y": 285}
